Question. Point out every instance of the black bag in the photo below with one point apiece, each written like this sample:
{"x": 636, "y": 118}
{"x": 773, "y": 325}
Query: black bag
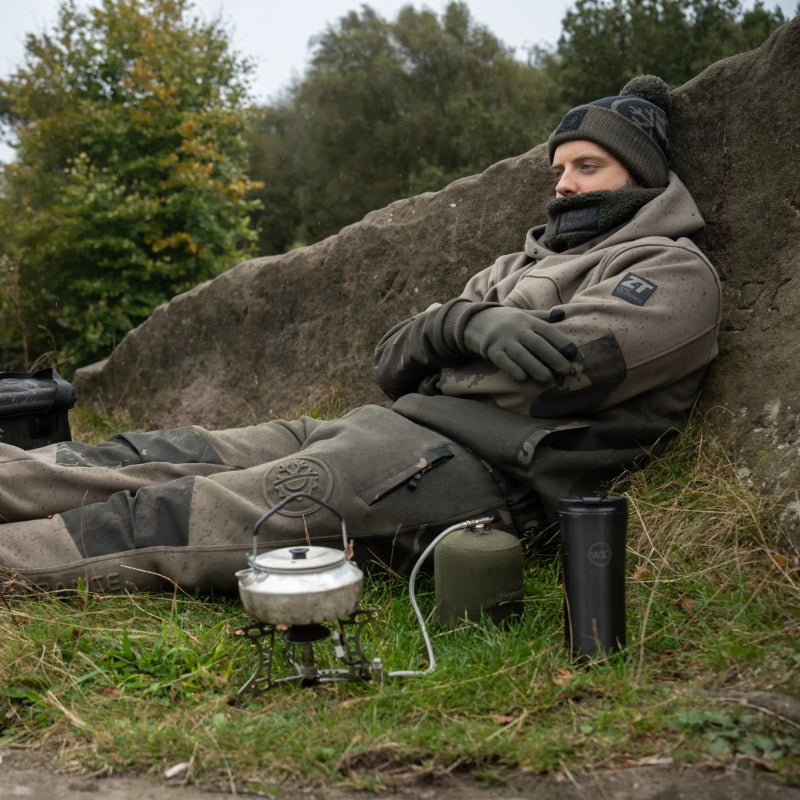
{"x": 33, "y": 408}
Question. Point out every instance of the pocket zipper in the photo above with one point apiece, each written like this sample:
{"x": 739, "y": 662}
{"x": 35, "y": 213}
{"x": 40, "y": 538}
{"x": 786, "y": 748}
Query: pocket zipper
{"x": 432, "y": 459}
{"x": 439, "y": 456}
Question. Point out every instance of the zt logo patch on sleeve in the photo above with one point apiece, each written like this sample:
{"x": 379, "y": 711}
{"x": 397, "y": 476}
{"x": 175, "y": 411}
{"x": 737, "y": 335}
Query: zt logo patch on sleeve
{"x": 634, "y": 289}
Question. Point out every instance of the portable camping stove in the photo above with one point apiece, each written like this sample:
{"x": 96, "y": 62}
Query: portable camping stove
{"x": 298, "y": 652}
{"x": 298, "y": 592}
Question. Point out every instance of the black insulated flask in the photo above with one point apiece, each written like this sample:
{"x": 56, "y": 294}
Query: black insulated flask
{"x": 593, "y": 543}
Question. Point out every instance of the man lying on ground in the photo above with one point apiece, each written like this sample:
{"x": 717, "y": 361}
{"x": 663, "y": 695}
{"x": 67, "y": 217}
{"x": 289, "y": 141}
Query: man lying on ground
{"x": 554, "y": 369}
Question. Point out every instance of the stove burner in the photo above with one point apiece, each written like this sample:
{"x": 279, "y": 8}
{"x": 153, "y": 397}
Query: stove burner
{"x": 346, "y": 639}
{"x": 305, "y": 634}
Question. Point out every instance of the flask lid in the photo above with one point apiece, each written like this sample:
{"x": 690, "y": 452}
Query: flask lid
{"x": 593, "y": 505}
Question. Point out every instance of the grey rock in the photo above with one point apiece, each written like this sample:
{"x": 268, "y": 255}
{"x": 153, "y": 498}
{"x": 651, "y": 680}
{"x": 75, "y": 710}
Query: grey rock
{"x": 276, "y": 336}
{"x": 737, "y": 149}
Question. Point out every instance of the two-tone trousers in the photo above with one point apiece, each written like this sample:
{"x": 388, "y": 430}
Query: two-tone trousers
{"x": 150, "y": 510}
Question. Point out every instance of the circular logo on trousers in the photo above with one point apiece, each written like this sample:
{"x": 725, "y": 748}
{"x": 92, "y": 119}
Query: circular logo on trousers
{"x": 600, "y": 554}
{"x": 304, "y": 474}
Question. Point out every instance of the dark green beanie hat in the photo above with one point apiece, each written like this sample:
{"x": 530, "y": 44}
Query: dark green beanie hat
{"x": 632, "y": 126}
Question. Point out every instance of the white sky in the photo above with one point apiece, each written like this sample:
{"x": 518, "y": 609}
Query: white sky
{"x": 275, "y": 33}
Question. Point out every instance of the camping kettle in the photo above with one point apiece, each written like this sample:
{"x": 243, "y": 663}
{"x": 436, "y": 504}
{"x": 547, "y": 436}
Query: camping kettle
{"x": 478, "y": 570}
{"x": 301, "y": 585}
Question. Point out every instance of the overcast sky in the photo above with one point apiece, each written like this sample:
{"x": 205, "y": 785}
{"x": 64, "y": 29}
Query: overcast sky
{"x": 275, "y": 33}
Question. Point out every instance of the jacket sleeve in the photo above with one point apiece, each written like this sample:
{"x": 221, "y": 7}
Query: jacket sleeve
{"x": 648, "y": 317}
{"x": 413, "y": 353}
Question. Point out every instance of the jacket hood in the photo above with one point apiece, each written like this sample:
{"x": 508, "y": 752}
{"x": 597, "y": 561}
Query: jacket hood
{"x": 672, "y": 214}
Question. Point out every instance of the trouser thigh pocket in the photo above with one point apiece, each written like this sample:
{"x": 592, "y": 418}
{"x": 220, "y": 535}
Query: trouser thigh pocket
{"x": 450, "y": 485}
{"x": 393, "y": 481}
{"x": 408, "y": 475}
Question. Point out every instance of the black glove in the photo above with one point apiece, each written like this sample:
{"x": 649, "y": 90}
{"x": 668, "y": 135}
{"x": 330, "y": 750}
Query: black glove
{"x": 520, "y": 343}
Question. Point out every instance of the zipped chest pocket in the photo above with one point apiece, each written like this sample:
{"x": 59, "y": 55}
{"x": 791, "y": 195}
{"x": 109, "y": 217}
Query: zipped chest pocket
{"x": 409, "y": 476}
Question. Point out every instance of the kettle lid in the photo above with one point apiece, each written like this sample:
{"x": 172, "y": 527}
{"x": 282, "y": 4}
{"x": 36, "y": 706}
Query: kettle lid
{"x": 305, "y": 558}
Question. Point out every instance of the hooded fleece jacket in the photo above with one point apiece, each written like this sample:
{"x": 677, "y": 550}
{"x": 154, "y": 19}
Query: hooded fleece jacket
{"x": 641, "y": 303}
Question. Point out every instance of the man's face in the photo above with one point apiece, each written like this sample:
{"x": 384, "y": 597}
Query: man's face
{"x": 583, "y": 166}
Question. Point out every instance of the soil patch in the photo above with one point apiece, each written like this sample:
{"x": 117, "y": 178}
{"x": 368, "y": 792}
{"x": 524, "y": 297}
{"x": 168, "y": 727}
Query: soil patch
{"x": 35, "y": 775}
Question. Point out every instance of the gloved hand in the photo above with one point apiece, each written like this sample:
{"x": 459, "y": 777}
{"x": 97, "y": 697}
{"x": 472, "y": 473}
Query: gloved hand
{"x": 520, "y": 343}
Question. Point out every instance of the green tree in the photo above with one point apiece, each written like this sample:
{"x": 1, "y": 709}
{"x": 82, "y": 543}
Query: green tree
{"x": 276, "y": 163}
{"x": 387, "y": 110}
{"x": 606, "y": 42}
{"x": 130, "y": 183}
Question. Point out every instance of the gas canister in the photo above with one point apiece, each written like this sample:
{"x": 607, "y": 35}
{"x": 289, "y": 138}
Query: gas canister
{"x": 478, "y": 570}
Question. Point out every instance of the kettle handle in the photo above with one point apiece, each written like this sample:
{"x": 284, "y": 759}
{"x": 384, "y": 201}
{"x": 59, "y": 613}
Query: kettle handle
{"x": 289, "y": 499}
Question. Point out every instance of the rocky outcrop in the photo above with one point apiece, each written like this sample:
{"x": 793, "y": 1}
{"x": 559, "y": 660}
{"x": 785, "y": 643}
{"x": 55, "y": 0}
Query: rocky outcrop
{"x": 276, "y": 336}
{"x": 737, "y": 148}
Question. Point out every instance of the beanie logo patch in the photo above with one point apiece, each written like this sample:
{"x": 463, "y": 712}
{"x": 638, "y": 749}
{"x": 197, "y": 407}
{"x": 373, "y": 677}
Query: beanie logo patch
{"x": 651, "y": 119}
{"x": 634, "y": 289}
{"x": 572, "y": 121}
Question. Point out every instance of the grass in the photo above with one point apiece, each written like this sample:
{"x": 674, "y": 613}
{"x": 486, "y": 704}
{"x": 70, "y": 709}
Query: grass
{"x": 148, "y": 682}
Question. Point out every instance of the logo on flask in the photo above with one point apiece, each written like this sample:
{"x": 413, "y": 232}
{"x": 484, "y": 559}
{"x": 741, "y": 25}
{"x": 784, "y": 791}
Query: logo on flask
{"x": 600, "y": 554}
